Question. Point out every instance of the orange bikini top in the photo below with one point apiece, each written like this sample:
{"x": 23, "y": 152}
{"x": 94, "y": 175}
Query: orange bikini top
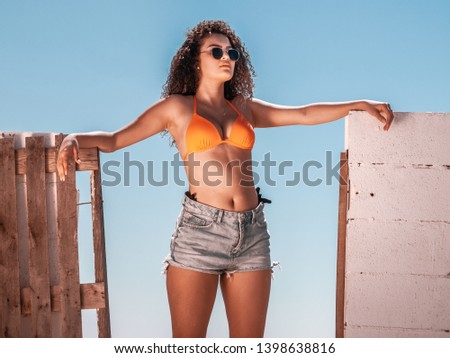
{"x": 202, "y": 134}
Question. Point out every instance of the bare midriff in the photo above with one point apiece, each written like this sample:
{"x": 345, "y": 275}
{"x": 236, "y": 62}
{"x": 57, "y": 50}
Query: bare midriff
{"x": 222, "y": 177}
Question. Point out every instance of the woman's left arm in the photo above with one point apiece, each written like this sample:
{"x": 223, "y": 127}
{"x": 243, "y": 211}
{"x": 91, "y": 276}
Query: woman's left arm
{"x": 265, "y": 114}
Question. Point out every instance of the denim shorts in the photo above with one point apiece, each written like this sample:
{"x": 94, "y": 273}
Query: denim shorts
{"x": 217, "y": 241}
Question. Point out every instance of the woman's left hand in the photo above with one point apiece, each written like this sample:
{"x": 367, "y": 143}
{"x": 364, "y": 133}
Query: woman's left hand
{"x": 380, "y": 110}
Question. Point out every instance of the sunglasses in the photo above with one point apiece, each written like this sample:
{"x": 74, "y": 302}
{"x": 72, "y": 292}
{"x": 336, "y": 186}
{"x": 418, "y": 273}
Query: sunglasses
{"x": 217, "y": 53}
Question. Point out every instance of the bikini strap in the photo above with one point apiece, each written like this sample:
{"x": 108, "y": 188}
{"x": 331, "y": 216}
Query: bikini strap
{"x": 233, "y": 107}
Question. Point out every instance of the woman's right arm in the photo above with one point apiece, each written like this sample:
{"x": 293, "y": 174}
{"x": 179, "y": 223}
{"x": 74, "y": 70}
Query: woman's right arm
{"x": 154, "y": 120}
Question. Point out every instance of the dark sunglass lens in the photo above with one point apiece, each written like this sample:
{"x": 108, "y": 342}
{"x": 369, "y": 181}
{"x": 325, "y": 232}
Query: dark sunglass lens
{"x": 233, "y": 54}
{"x": 217, "y": 53}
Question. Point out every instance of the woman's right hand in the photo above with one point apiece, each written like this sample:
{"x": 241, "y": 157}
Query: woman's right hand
{"x": 69, "y": 150}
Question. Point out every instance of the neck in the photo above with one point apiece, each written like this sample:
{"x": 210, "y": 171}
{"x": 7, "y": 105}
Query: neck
{"x": 211, "y": 93}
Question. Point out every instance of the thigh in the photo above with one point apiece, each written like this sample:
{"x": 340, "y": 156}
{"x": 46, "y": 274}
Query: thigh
{"x": 191, "y": 297}
{"x": 246, "y": 297}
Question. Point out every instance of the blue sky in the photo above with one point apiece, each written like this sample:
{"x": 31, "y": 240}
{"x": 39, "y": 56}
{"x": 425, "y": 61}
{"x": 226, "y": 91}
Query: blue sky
{"x": 76, "y": 66}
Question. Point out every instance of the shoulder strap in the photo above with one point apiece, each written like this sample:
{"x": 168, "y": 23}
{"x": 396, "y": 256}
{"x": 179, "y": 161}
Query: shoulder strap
{"x": 233, "y": 107}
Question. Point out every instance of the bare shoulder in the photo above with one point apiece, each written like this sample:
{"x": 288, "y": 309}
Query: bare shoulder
{"x": 244, "y": 106}
{"x": 252, "y": 108}
{"x": 179, "y": 110}
{"x": 176, "y": 108}
{"x": 258, "y": 106}
{"x": 176, "y": 103}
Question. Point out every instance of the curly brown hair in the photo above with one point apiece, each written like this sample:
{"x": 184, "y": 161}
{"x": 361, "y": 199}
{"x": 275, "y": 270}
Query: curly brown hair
{"x": 183, "y": 77}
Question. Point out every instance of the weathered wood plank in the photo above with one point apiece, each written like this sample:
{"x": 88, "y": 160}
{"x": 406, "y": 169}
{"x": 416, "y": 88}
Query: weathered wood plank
{"x": 342, "y": 229}
{"x": 92, "y": 296}
{"x": 103, "y": 317}
{"x": 37, "y": 238}
{"x": 68, "y": 253}
{"x": 9, "y": 246}
{"x": 88, "y": 157}
{"x": 56, "y": 298}
{"x": 25, "y": 299}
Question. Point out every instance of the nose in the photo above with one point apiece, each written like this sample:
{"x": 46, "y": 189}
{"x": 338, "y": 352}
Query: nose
{"x": 225, "y": 55}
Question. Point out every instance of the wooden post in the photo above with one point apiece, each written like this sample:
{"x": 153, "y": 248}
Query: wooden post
{"x": 342, "y": 228}
{"x": 103, "y": 321}
{"x": 38, "y": 269}
{"x": 9, "y": 243}
{"x": 69, "y": 277}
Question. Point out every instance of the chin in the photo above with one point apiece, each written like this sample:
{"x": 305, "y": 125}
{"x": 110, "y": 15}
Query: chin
{"x": 227, "y": 77}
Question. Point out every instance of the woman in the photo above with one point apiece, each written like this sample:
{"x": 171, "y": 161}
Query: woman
{"x": 221, "y": 234}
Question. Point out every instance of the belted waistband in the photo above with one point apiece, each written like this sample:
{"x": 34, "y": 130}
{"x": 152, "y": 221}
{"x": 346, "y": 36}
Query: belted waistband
{"x": 217, "y": 214}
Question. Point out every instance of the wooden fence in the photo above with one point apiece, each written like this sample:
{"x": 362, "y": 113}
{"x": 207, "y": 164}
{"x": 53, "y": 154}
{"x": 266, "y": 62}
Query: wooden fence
{"x": 40, "y": 290}
{"x": 342, "y": 234}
